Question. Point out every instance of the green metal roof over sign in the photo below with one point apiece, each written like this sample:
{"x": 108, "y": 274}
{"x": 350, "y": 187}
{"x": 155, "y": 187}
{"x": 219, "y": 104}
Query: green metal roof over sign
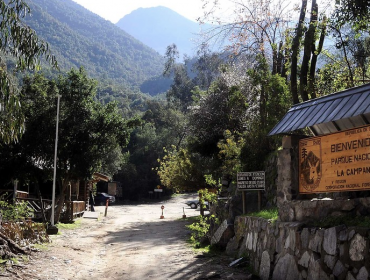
{"x": 328, "y": 114}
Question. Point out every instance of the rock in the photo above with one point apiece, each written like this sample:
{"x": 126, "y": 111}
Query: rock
{"x": 232, "y": 247}
{"x": 330, "y": 261}
{"x": 265, "y": 266}
{"x": 351, "y": 234}
{"x": 338, "y": 269}
{"x": 343, "y": 235}
{"x": 315, "y": 271}
{"x": 350, "y": 276}
{"x": 305, "y": 260}
{"x": 255, "y": 239}
{"x": 218, "y": 234}
{"x": 330, "y": 241}
{"x": 357, "y": 248}
{"x": 305, "y": 238}
{"x": 223, "y": 234}
{"x": 348, "y": 205}
{"x": 249, "y": 241}
{"x": 316, "y": 241}
{"x": 264, "y": 242}
{"x": 291, "y": 215}
{"x": 286, "y": 268}
{"x": 279, "y": 245}
{"x": 363, "y": 274}
{"x": 300, "y": 213}
{"x": 291, "y": 239}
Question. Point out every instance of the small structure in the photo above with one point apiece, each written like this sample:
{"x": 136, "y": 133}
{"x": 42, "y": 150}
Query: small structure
{"x": 77, "y": 198}
{"x": 334, "y": 163}
{"x": 319, "y": 176}
{"x": 97, "y": 177}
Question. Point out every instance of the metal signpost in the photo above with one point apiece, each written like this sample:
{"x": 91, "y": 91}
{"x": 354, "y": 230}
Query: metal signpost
{"x": 251, "y": 181}
{"x": 53, "y": 229}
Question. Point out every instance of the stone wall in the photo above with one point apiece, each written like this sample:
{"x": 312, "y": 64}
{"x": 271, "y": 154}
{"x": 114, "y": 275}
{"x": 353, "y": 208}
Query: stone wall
{"x": 289, "y": 250}
{"x": 318, "y": 209}
{"x": 287, "y": 165}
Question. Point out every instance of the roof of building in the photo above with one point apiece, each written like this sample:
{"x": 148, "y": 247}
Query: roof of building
{"x": 328, "y": 114}
{"x": 100, "y": 177}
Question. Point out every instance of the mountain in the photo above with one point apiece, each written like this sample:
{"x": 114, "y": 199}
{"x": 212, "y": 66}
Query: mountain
{"x": 79, "y": 37}
{"x": 159, "y": 27}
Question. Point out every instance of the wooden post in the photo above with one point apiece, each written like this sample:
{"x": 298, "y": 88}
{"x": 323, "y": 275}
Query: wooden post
{"x": 244, "y": 205}
{"x": 201, "y": 205}
{"x": 162, "y": 217}
{"x": 42, "y": 207}
{"x": 259, "y": 200}
{"x": 15, "y": 187}
{"x": 106, "y": 207}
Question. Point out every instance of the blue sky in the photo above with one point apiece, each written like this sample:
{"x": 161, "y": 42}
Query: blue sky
{"x": 114, "y": 10}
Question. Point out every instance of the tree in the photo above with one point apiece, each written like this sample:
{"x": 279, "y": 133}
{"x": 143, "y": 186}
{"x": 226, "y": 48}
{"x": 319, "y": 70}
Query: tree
{"x": 181, "y": 169}
{"x": 223, "y": 107}
{"x": 349, "y": 24}
{"x": 161, "y": 126}
{"x": 89, "y": 132}
{"x": 19, "y": 41}
{"x": 307, "y": 36}
{"x": 207, "y": 67}
{"x": 180, "y": 92}
{"x": 175, "y": 169}
{"x": 230, "y": 153}
{"x": 255, "y": 27}
{"x": 170, "y": 123}
{"x": 354, "y": 12}
{"x": 263, "y": 29}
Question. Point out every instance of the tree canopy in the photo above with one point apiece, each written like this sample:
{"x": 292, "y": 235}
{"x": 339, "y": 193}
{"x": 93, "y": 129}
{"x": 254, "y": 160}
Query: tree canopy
{"x": 91, "y": 134}
{"x": 20, "y": 42}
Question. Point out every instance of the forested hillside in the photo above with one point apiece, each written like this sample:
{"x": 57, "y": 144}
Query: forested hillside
{"x": 80, "y": 38}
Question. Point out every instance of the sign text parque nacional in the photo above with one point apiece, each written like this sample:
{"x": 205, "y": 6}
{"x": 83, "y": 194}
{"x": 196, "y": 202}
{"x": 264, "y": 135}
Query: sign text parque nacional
{"x": 336, "y": 162}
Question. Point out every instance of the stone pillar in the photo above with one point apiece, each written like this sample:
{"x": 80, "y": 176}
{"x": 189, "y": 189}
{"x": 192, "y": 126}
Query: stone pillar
{"x": 288, "y": 178}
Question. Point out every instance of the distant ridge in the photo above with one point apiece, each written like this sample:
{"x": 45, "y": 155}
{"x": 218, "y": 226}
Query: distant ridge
{"x": 159, "y": 27}
{"x": 79, "y": 37}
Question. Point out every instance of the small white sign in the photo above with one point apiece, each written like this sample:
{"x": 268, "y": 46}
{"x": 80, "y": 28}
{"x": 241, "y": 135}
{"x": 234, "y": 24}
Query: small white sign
{"x": 248, "y": 181}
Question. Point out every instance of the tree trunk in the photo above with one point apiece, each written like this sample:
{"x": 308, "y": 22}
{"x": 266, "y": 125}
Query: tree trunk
{"x": 61, "y": 199}
{"x": 275, "y": 61}
{"x": 346, "y": 59}
{"x": 263, "y": 105}
{"x": 295, "y": 52}
{"x": 309, "y": 48}
{"x": 280, "y": 60}
{"x": 312, "y": 80}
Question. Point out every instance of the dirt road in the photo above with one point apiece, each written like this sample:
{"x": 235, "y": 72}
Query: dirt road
{"x": 132, "y": 242}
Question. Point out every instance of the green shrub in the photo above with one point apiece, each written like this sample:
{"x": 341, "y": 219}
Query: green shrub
{"x": 14, "y": 211}
{"x": 200, "y": 235}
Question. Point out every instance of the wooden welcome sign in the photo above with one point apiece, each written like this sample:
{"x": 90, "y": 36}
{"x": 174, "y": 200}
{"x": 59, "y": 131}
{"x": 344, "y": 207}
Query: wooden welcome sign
{"x": 336, "y": 162}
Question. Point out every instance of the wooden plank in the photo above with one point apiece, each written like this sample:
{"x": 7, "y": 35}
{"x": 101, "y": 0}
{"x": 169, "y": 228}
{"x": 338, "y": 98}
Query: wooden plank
{"x": 335, "y": 162}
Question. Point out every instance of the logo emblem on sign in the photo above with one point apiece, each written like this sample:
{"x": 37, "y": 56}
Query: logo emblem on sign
{"x": 310, "y": 167}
